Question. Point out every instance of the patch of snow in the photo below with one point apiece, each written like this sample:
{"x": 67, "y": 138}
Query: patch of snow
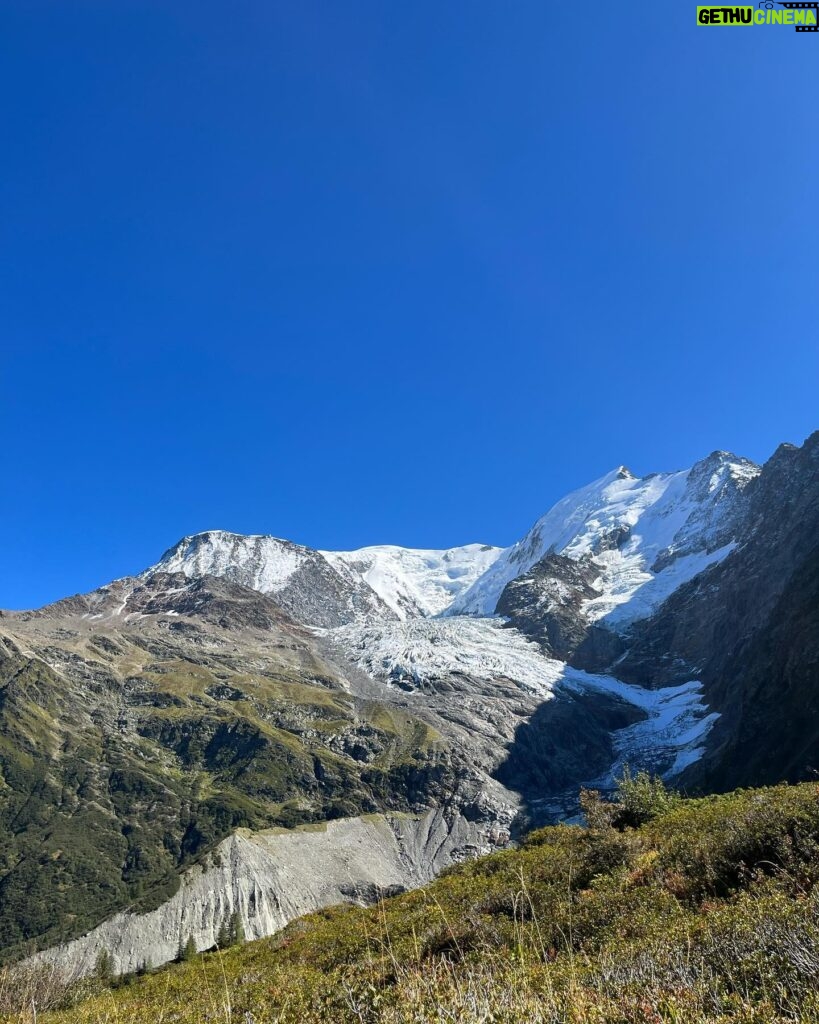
{"x": 415, "y": 582}
{"x": 672, "y": 735}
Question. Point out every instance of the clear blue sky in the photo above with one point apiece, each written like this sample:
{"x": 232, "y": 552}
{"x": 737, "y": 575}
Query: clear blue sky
{"x": 356, "y": 273}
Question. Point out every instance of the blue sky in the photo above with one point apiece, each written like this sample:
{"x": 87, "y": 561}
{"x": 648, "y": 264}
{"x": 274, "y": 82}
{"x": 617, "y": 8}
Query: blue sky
{"x": 386, "y": 273}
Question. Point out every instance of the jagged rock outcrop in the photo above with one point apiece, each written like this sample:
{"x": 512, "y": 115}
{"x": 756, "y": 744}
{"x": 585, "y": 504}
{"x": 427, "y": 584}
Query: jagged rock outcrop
{"x": 547, "y": 603}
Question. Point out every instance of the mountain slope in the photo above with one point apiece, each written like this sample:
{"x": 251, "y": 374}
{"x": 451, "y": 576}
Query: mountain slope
{"x": 142, "y": 724}
{"x": 302, "y": 581}
{"x": 749, "y": 629}
{"x": 746, "y": 626}
{"x": 643, "y": 537}
{"x": 194, "y": 707}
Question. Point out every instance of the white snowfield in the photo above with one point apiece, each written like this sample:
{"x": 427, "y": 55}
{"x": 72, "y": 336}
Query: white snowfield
{"x": 625, "y": 524}
{"x": 414, "y": 582}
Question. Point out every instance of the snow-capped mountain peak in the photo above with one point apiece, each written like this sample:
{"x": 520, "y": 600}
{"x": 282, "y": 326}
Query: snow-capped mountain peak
{"x": 645, "y": 535}
{"x": 257, "y": 561}
{"x": 330, "y": 587}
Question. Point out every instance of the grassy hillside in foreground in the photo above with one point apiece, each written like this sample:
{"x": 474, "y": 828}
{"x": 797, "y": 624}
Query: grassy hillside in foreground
{"x": 706, "y": 911}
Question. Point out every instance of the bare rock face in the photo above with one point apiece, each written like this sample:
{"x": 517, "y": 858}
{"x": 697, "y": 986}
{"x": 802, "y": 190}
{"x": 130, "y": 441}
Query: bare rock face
{"x": 270, "y": 878}
{"x": 547, "y": 603}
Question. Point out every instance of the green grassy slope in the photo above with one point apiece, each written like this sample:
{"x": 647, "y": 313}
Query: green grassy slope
{"x": 707, "y": 911}
{"x": 105, "y": 798}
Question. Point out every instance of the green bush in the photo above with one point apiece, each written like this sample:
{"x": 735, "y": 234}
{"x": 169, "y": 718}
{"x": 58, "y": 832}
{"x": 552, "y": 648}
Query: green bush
{"x": 640, "y": 798}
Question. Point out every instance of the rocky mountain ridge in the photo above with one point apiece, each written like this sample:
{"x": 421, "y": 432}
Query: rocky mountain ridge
{"x": 331, "y": 588}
